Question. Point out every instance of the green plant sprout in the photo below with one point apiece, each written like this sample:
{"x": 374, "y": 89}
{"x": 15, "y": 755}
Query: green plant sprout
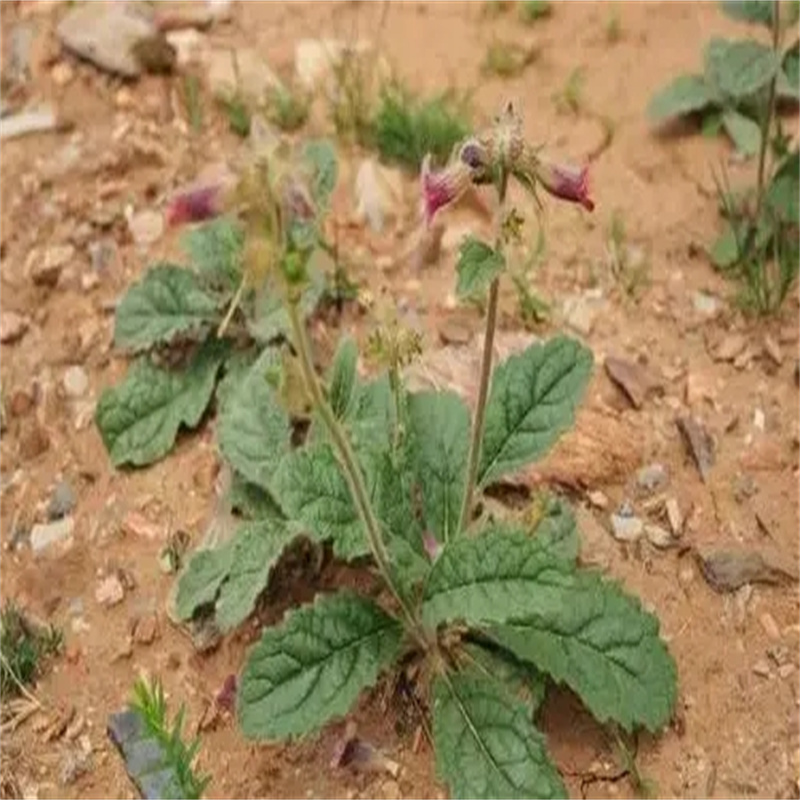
{"x": 734, "y": 89}
{"x": 531, "y": 11}
{"x": 392, "y": 478}
{"x": 24, "y": 647}
{"x": 759, "y": 244}
{"x": 570, "y": 99}
{"x": 613, "y": 27}
{"x": 629, "y": 266}
{"x": 288, "y": 110}
{"x": 151, "y": 705}
{"x": 507, "y": 59}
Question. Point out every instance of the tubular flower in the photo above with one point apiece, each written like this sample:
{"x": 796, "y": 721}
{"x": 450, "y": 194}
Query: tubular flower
{"x": 442, "y": 187}
{"x": 195, "y": 205}
{"x": 565, "y": 182}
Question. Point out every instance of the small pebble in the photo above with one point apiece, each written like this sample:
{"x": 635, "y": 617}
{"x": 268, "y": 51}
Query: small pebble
{"x": 674, "y": 516}
{"x": 46, "y": 535}
{"x": 109, "y": 592}
{"x": 598, "y": 499}
{"x": 786, "y": 670}
{"x": 761, "y": 668}
{"x": 76, "y": 382}
{"x": 769, "y": 625}
{"x": 62, "y": 501}
{"x": 652, "y": 477}
{"x": 625, "y": 528}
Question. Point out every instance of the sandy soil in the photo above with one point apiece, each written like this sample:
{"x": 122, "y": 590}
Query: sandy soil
{"x": 736, "y": 729}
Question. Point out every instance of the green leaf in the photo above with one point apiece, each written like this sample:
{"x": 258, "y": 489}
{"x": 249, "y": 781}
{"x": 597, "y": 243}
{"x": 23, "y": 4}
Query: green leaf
{"x": 740, "y": 68}
{"x": 684, "y": 95}
{"x": 269, "y": 320}
{"x": 254, "y": 431}
{"x": 711, "y": 124}
{"x": 791, "y": 67}
{"x": 251, "y": 501}
{"x": 589, "y": 634}
{"x": 314, "y": 494}
{"x": 215, "y": 251}
{"x": 313, "y": 666}
{"x": 557, "y": 531}
{"x": 573, "y": 625}
{"x": 342, "y": 382}
{"x": 784, "y": 190}
{"x": 744, "y": 133}
{"x": 486, "y": 745}
{"x": 200, "y": 581}
{"x": 140, "y": 418}
{"x": 757, "y": 12}
{"x": 521, "y": 679}
{"x": 489, "y": 578}
{"x": 321, "y": 155}
{"x": 257, "y": 548}
{"x": 478, "y": 265}
{"x": 438, "y": 442}
{"x": 725, "y": 251}
{"x": 532, "y": 401}
{"x": 167, "y": 302}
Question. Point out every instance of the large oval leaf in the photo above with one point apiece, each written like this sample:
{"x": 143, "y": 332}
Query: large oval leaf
{"x": 254, "y": 431}
{"x": 532, "y": 401}
{"x": 312, "y": 667}
{"x": 573, "y": 625}
{"x": 486, "y": 745}
{"x": 684, "y": 95}
{"x": 139, "y": 419}
{"x": 438, "y": 442}
{"x": 167, "y": 302}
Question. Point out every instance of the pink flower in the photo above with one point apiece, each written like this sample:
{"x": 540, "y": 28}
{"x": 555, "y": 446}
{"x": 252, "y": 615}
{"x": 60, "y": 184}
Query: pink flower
{"x": 565, "y": 182}
{"x": 443, "y": 187}
{"x": 195, "y": 205}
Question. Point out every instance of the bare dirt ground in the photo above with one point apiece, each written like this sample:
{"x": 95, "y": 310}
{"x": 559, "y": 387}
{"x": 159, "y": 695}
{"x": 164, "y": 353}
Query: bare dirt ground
{"x": 736, "y": 730}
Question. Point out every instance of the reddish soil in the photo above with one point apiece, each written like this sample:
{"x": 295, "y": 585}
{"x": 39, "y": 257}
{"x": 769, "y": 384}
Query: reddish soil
{"x": 736, "y": 730}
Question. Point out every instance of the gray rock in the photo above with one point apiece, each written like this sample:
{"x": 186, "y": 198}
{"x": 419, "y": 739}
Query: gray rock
{"x": 705, "y": 303}
{"x": 39, "y": 120}
{"x": 47, "y": 534}
{"x": 107, "y": 34}
{"x": 75, "y": 382}
{"x": 652, "y": 477}
{"x": 626, "y": 528}
{"x": 581, "y": 310}
{"x": 62, "y": 502}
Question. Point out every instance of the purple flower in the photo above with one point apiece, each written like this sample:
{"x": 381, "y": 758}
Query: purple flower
{"x": 562, "y": 181}
{"x": 448, "y": 185}
{"x": 195, "y": 205}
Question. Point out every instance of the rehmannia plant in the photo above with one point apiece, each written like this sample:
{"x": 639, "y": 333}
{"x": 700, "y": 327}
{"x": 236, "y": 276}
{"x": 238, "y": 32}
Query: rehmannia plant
{"x": 487, "y": 611}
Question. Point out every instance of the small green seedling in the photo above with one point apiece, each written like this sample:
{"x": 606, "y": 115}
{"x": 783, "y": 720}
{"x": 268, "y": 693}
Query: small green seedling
{"x": 531, "y": 11}
{"x": 507, "y": 59}
{"x": 193, "y": 102}
{"x": 487, "y": 613}
{"x": 613, "y": 27}
{"x": 24, "y": 650}
{"x": 237, "y": 111}
{"x": 570, "y": 99}
{"x": 288, "y": 110}
{"x": 405, "y": 127}
{"x": 734, "y": 89}
{"x": 178, "y": 756}
{"x": 628, "y": 265}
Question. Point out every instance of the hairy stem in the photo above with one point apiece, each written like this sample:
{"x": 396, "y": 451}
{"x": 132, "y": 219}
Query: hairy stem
{"x": 486, "y": 372}
{"x": 347, "y": 459}
{"x": 766, "y": 124}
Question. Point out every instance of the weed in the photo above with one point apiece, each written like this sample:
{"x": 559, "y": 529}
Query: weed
{"x": 532, "y": 309}
{"x": 393, "y": 477}
{"x": 570, "y": 99}
{"x": 405, "y": 127}
{"x": 24, "y": 648}
{"x": 507, "y": 59}
{"x": 238, "y": 113}
{"x": 149, "y": 702}
{"x": 531, "y": 11}
{"x": 613, "y": 26}
{"x": 192, "y": 100}
{"x": 628, "y": 265}
{"x": 759, "y": 244}
{"x": 739, "y": 80}
{"x": 352, "y": 99}
{"x": 288, "y": 110}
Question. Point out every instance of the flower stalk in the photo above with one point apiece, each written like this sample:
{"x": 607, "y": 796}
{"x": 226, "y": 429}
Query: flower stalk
{"x": 350, "y": 467}
{"x": 486, "y": 368}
